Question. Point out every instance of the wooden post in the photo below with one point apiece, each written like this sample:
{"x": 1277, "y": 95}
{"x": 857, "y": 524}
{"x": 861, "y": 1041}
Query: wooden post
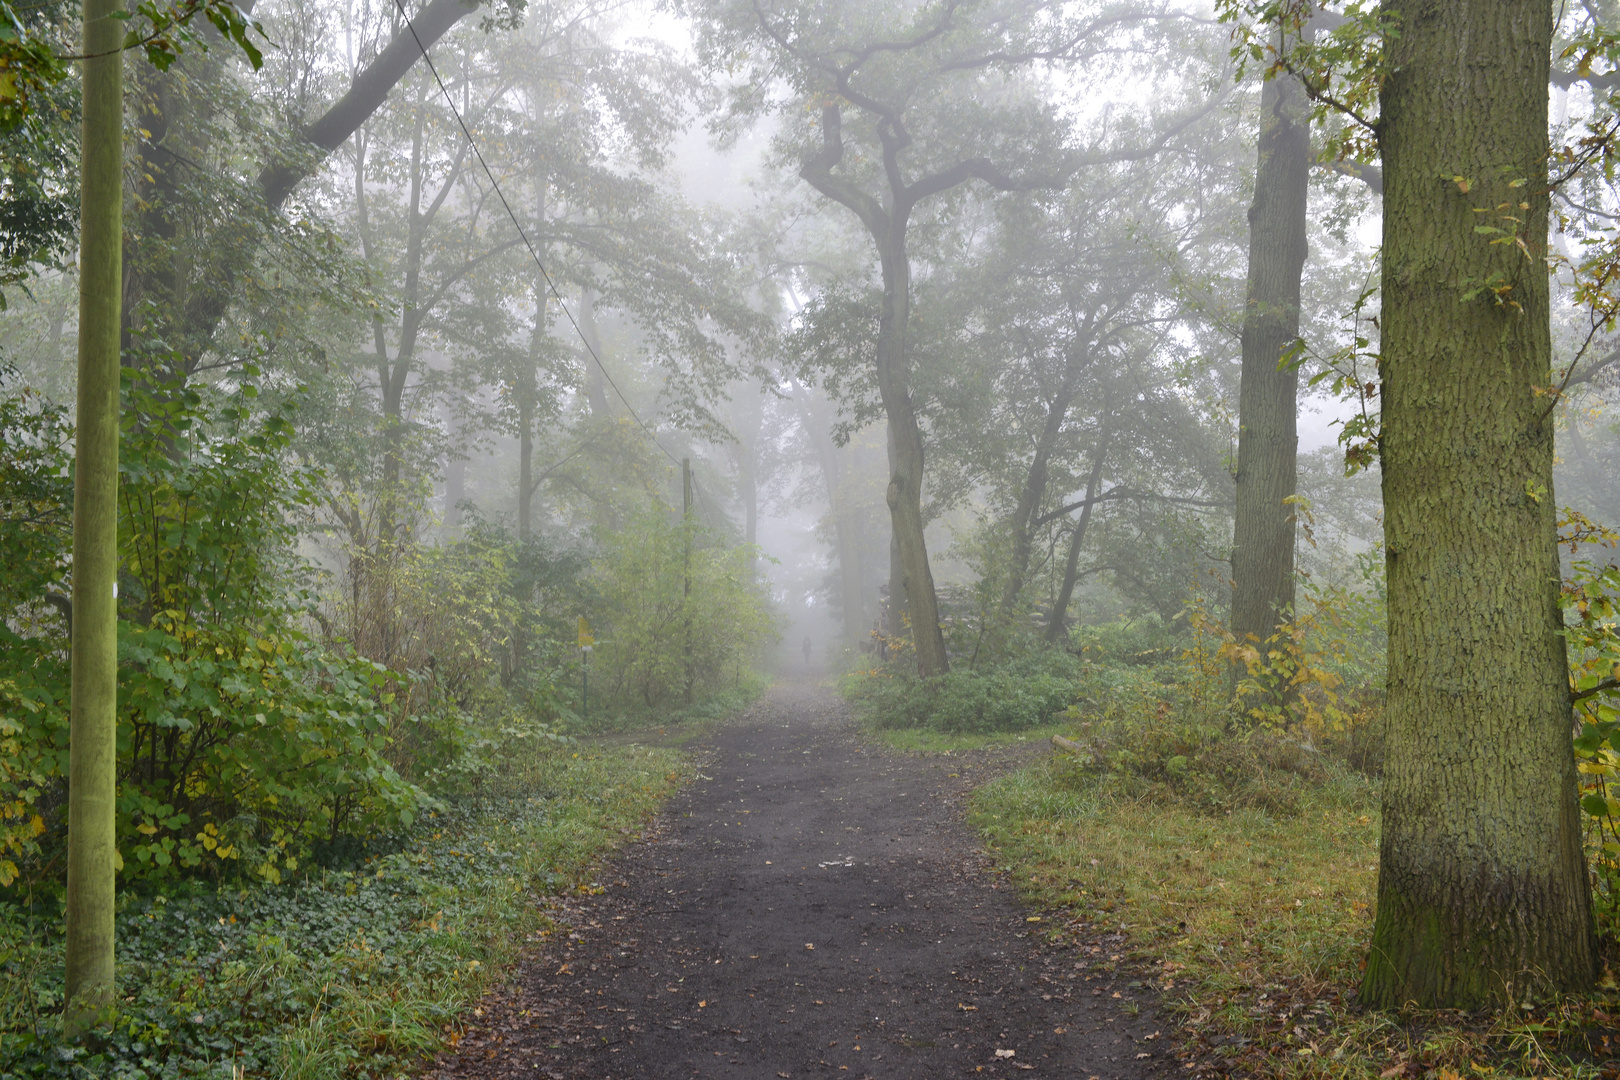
{"x": 92, "y": 853}
{"x": 686, "y": 569}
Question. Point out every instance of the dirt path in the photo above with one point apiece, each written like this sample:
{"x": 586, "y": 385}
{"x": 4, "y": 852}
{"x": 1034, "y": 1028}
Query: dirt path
{"x": 812, "y": 906}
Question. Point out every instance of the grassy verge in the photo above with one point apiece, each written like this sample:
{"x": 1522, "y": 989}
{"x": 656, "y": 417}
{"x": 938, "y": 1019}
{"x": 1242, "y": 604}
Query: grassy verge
{"x": 1253, "y": 923}
{"x": 354, "y": 970}
{"x": 930, "y": 741}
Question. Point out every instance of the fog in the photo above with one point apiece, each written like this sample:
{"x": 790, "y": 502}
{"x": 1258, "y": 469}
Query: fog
{"x": 932, "y": 307}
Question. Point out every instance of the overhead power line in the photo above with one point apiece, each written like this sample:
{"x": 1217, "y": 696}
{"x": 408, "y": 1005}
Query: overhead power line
{"x": 472, "y": 144}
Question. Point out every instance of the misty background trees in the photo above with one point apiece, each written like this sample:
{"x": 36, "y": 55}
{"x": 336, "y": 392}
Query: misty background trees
{"x": 984, "y": 329}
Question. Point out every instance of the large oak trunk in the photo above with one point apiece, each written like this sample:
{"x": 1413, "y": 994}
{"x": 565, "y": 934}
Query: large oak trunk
{"x": 1482, "y": 889}
{"x": 1268, "y": 443}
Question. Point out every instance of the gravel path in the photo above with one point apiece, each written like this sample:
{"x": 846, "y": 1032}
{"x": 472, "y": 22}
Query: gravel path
{"x": 812, "y": 907}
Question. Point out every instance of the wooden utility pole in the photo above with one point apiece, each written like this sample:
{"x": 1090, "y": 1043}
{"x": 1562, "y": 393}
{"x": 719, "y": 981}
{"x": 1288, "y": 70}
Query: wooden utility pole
{"x": 686, "y": 565}
{"x": 88, "y": 998}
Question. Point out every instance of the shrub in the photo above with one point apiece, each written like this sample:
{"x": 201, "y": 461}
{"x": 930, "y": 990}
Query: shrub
{"x": 1018, "y": 694}
{"x": 241, "y": 742}
{"x": 661, "y": 644}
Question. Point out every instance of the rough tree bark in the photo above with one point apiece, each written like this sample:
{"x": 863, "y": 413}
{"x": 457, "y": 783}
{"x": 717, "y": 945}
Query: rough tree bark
{"x": 1482, "y": 888}
{"x": 1268, "y": 440}
{"x": 92, "y": 763}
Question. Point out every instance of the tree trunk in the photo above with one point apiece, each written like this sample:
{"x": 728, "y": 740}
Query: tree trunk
{"x": 1268, "y": 442}
{"x": 527, "y": 389}
{"x": 525, "y": 512}
{"x": 904, "y": 494}
{"x": 1034, "y": 490}
{"x": 1482, "y": 889}
{"x": 393, "y": 376}
{"x": 92, "y": 761}
{"x": 190, "y": 300}
{"x": 851, "y": 575}
{"x": 894, "y": 611}
{"x": 1056, "y": 622}
{"x": 455, "y": 488}
{"x": 595, "y": 387}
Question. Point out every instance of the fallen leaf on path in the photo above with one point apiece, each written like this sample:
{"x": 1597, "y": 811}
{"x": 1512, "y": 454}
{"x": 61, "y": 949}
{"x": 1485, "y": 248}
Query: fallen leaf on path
{"x": 1006, "y": 1053}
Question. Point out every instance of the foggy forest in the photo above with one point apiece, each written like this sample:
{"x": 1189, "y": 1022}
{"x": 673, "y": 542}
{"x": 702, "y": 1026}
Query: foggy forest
{"x": 600, "y": 539}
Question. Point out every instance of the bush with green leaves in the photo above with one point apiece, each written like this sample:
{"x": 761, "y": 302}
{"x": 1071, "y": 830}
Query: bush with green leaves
{"x": 1011, "y": 696}
{"x": 680, "y": 615}
{"x": 351, "y": 971}
{"x": 241, "y": 741}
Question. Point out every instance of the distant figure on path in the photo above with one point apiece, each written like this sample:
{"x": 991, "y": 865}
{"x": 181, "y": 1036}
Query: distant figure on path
{"x": 807, "y": 649}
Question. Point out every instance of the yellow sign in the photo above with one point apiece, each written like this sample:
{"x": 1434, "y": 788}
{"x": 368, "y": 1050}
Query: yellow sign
{"x": 585, "y": 638}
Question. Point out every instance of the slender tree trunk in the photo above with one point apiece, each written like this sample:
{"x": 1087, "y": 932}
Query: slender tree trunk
{"x": 1056, "y": 622}
{"x": 455, "y": 489}
{"x": 455, "y": 472}
{"x": 750, "y": 420}
{"x": 851, "y": 564}
{"x": 851, "y": 571}
{"x": 1034, "y": 491}
{"x": 528, "y": 382}
{"x": 895, "y": 611}
{"x": 904, "y": 494}
{"x": 525, "y": 403}
{"x": 1482, "y": 889}
{"x": 595, "y": 386}
{"x": 1268, "y": 442}
{"x": 92, "y": 762}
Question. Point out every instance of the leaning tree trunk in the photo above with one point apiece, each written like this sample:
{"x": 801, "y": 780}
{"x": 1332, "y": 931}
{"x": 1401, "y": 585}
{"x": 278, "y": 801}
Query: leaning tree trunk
{"x": 904, "y": 494}
{"x": 92, "y": 761}
{"x": 1056, "y": 622}
{"x": 1268, "y": 442}
{"x": 1482, "y": 887}
{"x": 1034, "y": 489}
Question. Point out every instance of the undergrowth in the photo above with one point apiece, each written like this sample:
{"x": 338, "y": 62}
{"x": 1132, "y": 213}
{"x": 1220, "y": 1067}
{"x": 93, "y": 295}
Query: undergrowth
{"x": 713, "y": 707}
{"x": 354, "y": 969}
{"x": 1228, "y": 826}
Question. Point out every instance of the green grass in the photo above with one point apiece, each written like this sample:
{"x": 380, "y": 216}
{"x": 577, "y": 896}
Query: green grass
{"x": 930, "y": 741}
{"x": 1252, "y": 923}
{"x": 356, "y": 970}
{"x": 1219, "y": 899}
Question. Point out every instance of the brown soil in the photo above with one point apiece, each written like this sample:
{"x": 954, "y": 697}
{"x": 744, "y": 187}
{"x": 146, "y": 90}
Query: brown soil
{"x": 812, "y": 906}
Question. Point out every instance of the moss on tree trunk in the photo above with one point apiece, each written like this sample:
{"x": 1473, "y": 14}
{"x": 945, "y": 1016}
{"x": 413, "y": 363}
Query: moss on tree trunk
{"x": 1482, "y": 893}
